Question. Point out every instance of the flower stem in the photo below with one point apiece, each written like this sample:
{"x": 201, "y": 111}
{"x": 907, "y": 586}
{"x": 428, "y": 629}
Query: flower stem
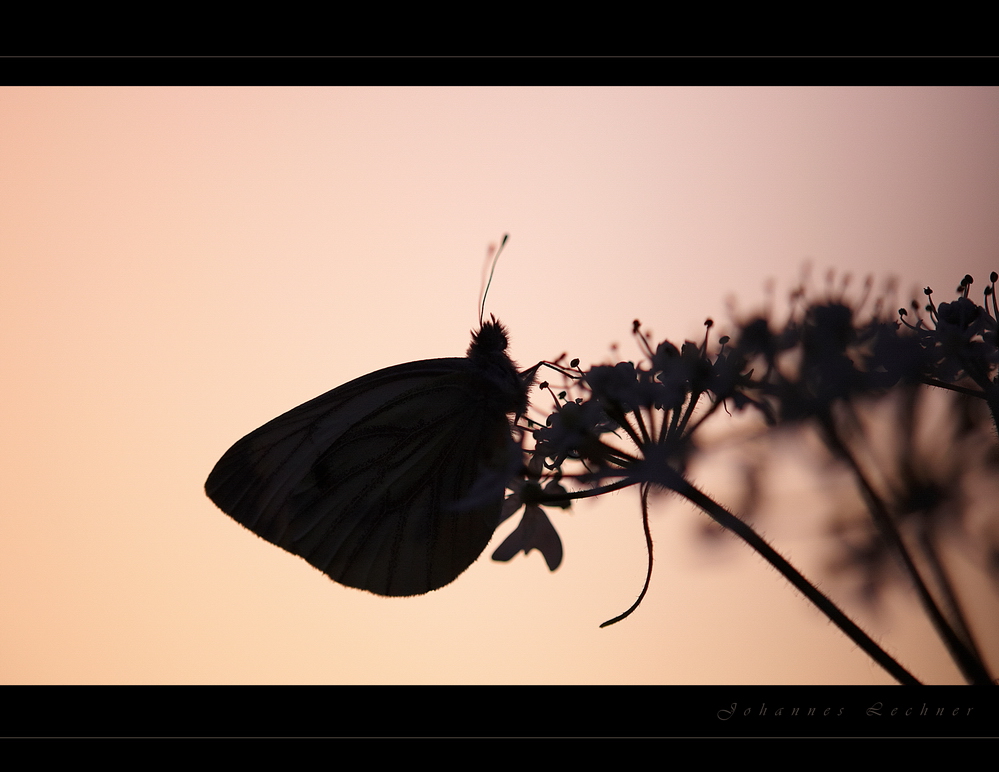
{"x": 741, "y": 529}
{"x": 974, "y": 671}
{"x": 947, "y": 588}
{"x": 648, "y": 547}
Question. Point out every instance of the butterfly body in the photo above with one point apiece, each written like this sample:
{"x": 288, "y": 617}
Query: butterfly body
{"x": 391, "y": 483}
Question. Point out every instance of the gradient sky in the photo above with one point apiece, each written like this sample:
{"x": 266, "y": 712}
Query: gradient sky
{"x": 183, "y": 264}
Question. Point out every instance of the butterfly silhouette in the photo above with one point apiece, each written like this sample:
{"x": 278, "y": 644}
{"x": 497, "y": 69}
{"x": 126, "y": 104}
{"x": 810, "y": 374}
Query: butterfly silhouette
{"x": 393, "y": 482}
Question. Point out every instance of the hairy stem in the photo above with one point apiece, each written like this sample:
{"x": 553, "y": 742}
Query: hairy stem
{"x": 730, "y": 522}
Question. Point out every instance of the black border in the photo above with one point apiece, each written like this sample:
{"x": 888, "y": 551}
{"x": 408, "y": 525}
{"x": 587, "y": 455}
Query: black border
{"x": 508, "y": 711}
{"x": 505, "y": 71}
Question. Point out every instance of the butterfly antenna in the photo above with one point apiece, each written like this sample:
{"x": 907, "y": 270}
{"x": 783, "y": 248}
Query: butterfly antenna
{"x": 495, "y": 257}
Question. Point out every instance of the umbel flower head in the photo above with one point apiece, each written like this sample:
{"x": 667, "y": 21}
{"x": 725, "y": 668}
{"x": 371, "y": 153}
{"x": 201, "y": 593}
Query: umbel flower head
{"x": 633, "y": 422}
{"x": 830, "y": 352}
{"x": 585, "y": 439}
{"x": 959, "y": 339}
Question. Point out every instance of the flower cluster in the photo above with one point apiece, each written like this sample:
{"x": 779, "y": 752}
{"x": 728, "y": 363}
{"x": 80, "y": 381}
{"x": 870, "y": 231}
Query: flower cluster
{"x": 959, "y": 342}
{"x": 635, "y": 423}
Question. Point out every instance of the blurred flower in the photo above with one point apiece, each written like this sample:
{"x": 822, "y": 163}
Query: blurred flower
{"x": 931, "y": 477}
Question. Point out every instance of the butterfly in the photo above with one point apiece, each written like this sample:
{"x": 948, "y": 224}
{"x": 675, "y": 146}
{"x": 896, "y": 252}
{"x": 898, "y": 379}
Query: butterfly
{"x": 394, "y": 482}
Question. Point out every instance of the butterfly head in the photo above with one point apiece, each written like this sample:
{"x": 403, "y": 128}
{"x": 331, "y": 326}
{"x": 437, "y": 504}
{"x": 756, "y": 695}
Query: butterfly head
{"x": 508, "y": 390}
{"x": 491, "y": 340}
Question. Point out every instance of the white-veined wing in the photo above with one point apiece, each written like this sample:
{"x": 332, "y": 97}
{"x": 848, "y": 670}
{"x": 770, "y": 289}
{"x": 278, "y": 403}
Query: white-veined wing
{"x": 371, "y": 481}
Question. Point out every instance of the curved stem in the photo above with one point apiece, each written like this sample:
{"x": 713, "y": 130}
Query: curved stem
{"x": 648, "y": 547}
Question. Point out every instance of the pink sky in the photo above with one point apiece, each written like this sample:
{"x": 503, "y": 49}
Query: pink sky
{"x": 183, "y": 264}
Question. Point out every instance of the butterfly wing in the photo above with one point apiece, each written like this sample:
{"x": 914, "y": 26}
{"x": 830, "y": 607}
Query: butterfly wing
{"x": 390, "y": 483}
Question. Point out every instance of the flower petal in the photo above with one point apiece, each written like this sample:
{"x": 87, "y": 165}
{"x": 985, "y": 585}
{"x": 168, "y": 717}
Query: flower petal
{"x": 535, "y": 531}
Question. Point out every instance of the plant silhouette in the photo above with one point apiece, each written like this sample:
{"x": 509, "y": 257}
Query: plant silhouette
{"x": 866, "y": 384}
